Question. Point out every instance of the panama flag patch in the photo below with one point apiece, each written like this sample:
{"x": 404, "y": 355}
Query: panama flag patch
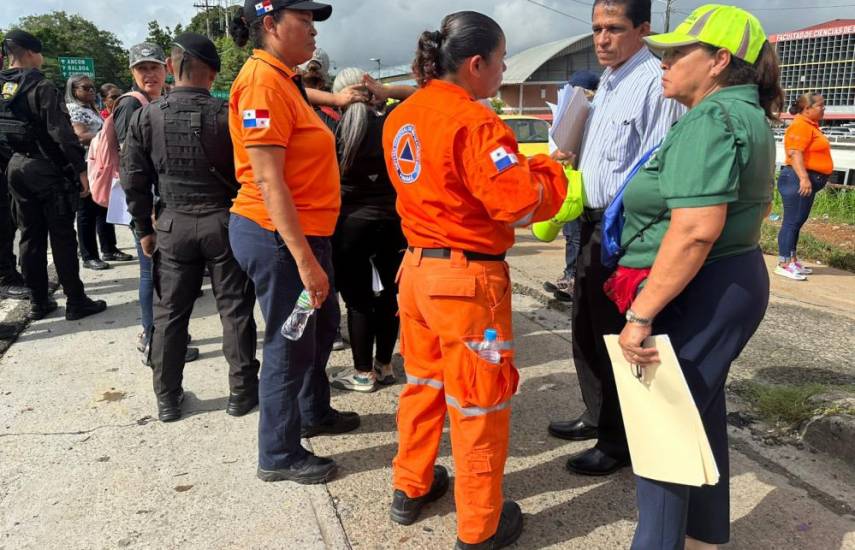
{"x": 263, "y": 7}
{"x": 256, "y": 118}
{"x": 503, "y": 158}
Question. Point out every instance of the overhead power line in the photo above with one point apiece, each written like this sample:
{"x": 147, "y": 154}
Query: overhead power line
{"x": 565, "y": 14}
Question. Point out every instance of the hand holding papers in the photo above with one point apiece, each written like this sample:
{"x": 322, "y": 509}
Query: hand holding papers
{"x": 568, "y": 119}
{"x": 667, "y": 441}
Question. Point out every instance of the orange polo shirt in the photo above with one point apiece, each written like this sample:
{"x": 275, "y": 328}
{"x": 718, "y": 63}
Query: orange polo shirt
{"x": 804, "y": 135}
{"x": 460, "y": 178}
{"x": 266, "y": 108}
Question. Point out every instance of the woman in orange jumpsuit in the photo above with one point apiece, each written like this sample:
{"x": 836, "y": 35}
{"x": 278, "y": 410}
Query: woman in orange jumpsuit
{"x": 462, "y": 188}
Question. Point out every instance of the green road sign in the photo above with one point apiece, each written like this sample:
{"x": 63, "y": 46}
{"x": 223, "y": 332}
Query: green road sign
{"x": 220, "y": 94}
{"x": 77, "y": 65}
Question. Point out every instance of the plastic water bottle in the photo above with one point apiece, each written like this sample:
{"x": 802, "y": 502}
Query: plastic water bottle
{"x": 295, "y": 324}
{"x": 489, "y": 348}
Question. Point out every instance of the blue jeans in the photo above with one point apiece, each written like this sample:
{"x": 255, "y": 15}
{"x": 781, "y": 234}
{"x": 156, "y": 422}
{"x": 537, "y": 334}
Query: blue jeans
{"x": 573, "y": 242}
{"x": 293, "y": 388}
{"x": 146, "y": 291}
{"x": 796, "y": 209}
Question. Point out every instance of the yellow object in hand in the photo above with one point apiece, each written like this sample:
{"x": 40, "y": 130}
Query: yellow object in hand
{"x": 571, "y": 208}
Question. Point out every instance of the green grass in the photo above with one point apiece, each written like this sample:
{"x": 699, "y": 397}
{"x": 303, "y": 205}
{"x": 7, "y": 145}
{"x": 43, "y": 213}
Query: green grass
{"x": 786, "y": 405}
{"x": 832, "y": 204}
{"x": 810, "y": 248}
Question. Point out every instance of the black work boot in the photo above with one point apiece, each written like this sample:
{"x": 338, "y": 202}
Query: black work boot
{"x": 406, "y": 510}
{"x": 39, "y": 309}
{"x": 241, "y": 403}
{"x": 509, "y": 530}
{"x": 336, "y": 422}
{"x": 309, "y": 471}
{"x": 83, "y": 308}
{"x": 169, "y": 407}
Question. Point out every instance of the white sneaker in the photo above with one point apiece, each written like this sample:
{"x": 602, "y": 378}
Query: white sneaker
{"x": 354, "y": 380}
{"x": 790, "y": 272}
{"x": 802, "y": 269}
{"x": 384, "y": 373}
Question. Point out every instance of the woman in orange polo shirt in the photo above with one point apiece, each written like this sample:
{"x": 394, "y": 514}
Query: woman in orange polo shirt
{"x": 462, "y": 187}
{"x": 806, "y": 172}
{"x": 280, "y": 228}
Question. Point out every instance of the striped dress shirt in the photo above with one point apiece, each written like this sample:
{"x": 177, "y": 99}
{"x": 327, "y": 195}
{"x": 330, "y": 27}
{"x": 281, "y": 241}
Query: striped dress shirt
{"x": 629, "y": 116}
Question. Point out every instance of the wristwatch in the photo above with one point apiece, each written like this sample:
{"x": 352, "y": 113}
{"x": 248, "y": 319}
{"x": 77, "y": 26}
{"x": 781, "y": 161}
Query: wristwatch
{"x": 631, "y": 317}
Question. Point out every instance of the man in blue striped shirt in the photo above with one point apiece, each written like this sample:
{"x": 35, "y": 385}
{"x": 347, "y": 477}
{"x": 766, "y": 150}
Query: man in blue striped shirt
{"x": 628, "y": 118}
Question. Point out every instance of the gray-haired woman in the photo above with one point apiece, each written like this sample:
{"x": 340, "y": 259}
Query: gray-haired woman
{"x": 367, "y": 240}
{"x": 91, "y": 217}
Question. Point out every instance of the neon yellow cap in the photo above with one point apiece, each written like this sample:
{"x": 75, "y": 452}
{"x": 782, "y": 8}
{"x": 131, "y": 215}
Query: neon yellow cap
{"x": 728, "y": 27}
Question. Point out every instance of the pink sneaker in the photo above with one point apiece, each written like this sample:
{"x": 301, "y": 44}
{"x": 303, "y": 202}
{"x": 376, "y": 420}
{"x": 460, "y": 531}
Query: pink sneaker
{"x": 790, "y": 272}
{"x": 802, "y": 269}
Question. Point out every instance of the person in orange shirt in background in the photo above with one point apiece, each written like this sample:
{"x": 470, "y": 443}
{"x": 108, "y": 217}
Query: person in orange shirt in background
{"x": 462, "y": 187}
{"x": 808, "y": 166}
{"x": 280, "y": 228}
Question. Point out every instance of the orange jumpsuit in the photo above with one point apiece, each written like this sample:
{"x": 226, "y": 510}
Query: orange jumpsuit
{"x": 462, "y": 185}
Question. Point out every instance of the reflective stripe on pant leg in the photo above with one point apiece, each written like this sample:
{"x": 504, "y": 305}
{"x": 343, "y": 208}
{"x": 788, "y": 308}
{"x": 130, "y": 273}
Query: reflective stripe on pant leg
{"x": 416, "y": 381}
{"x": 474, "y": 411}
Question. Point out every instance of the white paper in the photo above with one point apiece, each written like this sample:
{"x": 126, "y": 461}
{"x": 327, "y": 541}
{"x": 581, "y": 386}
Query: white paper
{"x": 569, "y": 118}
{"x": 117, "y": 209}
{"x": 376, "y": 283}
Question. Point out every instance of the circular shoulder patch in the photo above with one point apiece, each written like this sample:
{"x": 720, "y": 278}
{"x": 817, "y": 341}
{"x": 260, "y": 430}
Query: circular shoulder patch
{"x": 407, "y": 154}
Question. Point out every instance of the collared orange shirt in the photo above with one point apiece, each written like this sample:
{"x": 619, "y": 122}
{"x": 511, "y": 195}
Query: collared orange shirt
{"x": 804, "y": 135}
{"x": 460, "y": 178}
{"x": 266, "y": 108}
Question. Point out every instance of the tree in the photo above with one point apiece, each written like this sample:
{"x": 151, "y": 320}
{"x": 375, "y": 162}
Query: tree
{"x": 232, "y": 59}
{"x": 163, "y": 37}
{"x": 213, "y": 22}
{"x": 73, "y": 36}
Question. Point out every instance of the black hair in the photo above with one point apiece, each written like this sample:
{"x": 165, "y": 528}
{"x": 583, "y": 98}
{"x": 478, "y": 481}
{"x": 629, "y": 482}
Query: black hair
{"x": 765, "y": 73}
{"x": 12, "y": 50}
{"x": 461, "y": 35}
{"x": 254, "y": 32}
{"x": 803, "y": 101}
{"x": 107, "y": 87}
{"x": 637, "y": 11}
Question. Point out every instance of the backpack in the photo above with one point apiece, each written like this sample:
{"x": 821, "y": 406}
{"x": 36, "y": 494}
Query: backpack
{"x": 17, "y": 131}
{"x": 613, "y": 220}
{"x": 103, "y": 158}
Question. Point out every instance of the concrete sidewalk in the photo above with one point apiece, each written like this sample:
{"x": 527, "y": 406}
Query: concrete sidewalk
{"x": 84, "y": 465}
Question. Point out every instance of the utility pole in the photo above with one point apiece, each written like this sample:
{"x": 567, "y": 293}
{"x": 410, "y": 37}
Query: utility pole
{"x": 206, "y": 6}
{"x": 668, "y": 5}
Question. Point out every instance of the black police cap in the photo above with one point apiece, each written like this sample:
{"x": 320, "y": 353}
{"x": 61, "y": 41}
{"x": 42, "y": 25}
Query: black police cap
{"x": 199, "y": 47}
{"x": 24, "y": 40}
{"x": 256, "y": 9}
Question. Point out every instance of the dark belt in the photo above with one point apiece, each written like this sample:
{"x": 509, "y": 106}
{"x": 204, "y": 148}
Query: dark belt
{"x": 592, "y": 215}
{"x": 445, "y": 253}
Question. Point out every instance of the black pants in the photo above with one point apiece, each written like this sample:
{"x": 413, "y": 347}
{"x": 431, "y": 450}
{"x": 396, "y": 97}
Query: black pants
{"x": 44, "y": 209}
{"x": 594, "y": 315}
{"x": 185, "y": 244}
{"x": 8, "y": 263}
{"x": 92, "y": 221}
{"x": 371, "y": 320}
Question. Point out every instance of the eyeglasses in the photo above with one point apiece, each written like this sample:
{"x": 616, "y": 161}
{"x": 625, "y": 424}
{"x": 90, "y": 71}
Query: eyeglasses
{"x": 87, "y": 87}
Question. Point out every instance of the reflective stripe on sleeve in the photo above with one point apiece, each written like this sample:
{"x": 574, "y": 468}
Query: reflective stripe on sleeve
{"x": 475, "y": 411}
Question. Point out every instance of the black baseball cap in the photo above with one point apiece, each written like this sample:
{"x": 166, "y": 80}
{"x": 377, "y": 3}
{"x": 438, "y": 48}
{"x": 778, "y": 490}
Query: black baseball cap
{"x": 256, "y": 9}
{"x": 24, "y": 40}
{"x": 199, "y": 47}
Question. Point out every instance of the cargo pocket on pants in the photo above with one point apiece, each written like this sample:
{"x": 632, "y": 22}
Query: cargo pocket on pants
{"x": 488, "y": 386}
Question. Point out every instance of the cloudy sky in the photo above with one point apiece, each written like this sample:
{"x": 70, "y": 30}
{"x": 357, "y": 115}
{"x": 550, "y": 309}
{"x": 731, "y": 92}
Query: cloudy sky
{"x": 388, "y": 29}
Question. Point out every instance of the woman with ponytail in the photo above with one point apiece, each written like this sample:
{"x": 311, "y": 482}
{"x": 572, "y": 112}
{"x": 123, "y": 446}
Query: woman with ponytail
{"x": 699, "y": 272}
{"x": 808, "y": 165}
{"x": 280, "y": 228}
{"x": 462, "y": 188}
{"x": 368, "y": 244}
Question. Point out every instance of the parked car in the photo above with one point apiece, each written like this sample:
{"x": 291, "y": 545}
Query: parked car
{"x": 532, "y": 133}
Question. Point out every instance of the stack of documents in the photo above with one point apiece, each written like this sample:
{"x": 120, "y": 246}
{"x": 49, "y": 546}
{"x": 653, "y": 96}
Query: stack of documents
{"x": 568, "y": 119}
{"x": 667, "y": 441}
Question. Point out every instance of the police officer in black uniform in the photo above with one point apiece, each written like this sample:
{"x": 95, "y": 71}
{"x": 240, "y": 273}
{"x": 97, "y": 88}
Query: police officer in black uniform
{"x": 46, "y": 175}
{"x": 182, "y": 142}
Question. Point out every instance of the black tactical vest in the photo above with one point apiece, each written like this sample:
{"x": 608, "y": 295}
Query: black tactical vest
{"x": 186, "y": 143}
{"x": 19, "y": 133}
